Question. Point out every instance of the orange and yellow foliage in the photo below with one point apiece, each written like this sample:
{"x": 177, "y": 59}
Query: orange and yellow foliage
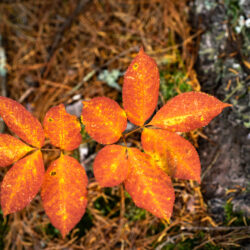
{"x": 22, "y": 182}
{"x": 141, "y": 88}
{"x": 146, "y": 175}
{"x": 65, "y": 208}
{"x": 166, "y": 154}
{"x": 63, "y": 129}
{"x": 104, "y": 120}
{"x": 21, "y": 122}
{"x": 64, "y": 184}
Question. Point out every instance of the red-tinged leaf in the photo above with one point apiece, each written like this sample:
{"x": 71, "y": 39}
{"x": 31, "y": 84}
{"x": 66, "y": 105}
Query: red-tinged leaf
{"x": 21, "y": 122}
{"x": 11, "y": 149}
{"x": 172, "y": 153}
{"x": 64, "y": 193}
{"x": 111, "y": 165}
{"x": 188, "y": 111}
{"x": 141, "y": 88}
{"x": 104, "y": 119}
{"x": 63, "y": 129}
{"x": 149, "y": 187}
{"x": 22, "y": 182}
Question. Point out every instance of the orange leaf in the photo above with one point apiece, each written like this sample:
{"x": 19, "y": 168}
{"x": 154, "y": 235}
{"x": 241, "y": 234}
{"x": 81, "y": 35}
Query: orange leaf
{"x": 22, "y": 182}
{"x": 149, "y": 187}
{"x": 188, "y": 111}
{"x": 172, "y": 153}
{"x": 63, "y": 129}
{"x": 104, "y": 119}
{"x": 64, "y": 193}
{"x": 21, "y": 122}
{"x": 11, "y": 149}
{"x": 141, "y": 88}
{"x": 111, "y": 165}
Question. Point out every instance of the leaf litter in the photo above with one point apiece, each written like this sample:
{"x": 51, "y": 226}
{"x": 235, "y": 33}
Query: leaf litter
{"x": 55, "y": 51}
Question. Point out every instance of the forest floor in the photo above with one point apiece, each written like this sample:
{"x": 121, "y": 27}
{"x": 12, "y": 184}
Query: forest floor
{"x": 55, "y": 51}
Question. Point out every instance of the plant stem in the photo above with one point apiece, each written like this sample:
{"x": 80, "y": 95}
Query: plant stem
{"x": 124, "y": 140}
{"x": 131, "y": 132}
{"x": 50, "y": 149}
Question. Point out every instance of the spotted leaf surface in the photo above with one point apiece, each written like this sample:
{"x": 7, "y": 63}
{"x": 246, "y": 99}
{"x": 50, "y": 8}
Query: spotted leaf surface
{"x": 11, "y": 149}
{"x": 172, "y": 153}
{"x": 188, "y": 111}
{"x": 63, "y": 129}
{"x": 111, "y": 165}
{"x": 21, "y": 122}
{"x": 64, "y": 193}
{"x": 141, "y": 88}
{"x": 104, "y": 119}
{"x": 149, "y": 187}
{"x": 21, "y": 183}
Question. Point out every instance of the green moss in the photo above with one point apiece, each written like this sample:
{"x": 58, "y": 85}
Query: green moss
{"x": 230, "y": 214}
{"x": 171, "y": 83}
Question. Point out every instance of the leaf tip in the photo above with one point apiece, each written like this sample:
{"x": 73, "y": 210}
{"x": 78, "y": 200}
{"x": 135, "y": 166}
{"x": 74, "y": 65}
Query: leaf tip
{"x": 198, "y": 180}
{"x": 141, "y": 51}
{"x": 225, "y": 105}
{"x": 64, "y": 233}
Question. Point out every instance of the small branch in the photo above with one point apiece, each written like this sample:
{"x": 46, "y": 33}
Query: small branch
{"x": 50, "y": 149}
{"x": 124, "y": 140}
{"x": 211, "y": 164}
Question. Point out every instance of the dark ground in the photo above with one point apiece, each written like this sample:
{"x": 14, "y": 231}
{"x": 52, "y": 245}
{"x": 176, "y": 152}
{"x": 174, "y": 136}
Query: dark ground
{"x": 226, "y": 154}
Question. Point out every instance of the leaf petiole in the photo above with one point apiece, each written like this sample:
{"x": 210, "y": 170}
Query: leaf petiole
{"x": 50, "y": 149}
{"x": 131, "y": 132}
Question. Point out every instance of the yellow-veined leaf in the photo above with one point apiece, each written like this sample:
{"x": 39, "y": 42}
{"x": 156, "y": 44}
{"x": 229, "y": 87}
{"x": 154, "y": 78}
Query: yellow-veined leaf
{"x": 188, "y": 111}
{"x": 11, "y": 149}
{"x": 63, "y": 129}
{"x": 21, "y": 122}
{"x": 149, "y": 187}
{"x": 111, "y": 165}
{"x": 141, "y": 88}
{"x": 172, "y": 153}
{"x": 104, "y": 119}
{"x": 21, "y": 183}
{"x": 64, "y": 193}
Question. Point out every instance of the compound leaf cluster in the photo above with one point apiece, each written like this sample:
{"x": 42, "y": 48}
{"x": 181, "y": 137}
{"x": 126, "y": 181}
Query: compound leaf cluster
{"x": 146, "y": 175}
{"x": 63, "y": 186}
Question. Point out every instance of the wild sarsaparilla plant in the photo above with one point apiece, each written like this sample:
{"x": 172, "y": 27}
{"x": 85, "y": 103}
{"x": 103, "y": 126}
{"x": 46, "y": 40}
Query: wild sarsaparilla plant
{"x": 146, "y": 175}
